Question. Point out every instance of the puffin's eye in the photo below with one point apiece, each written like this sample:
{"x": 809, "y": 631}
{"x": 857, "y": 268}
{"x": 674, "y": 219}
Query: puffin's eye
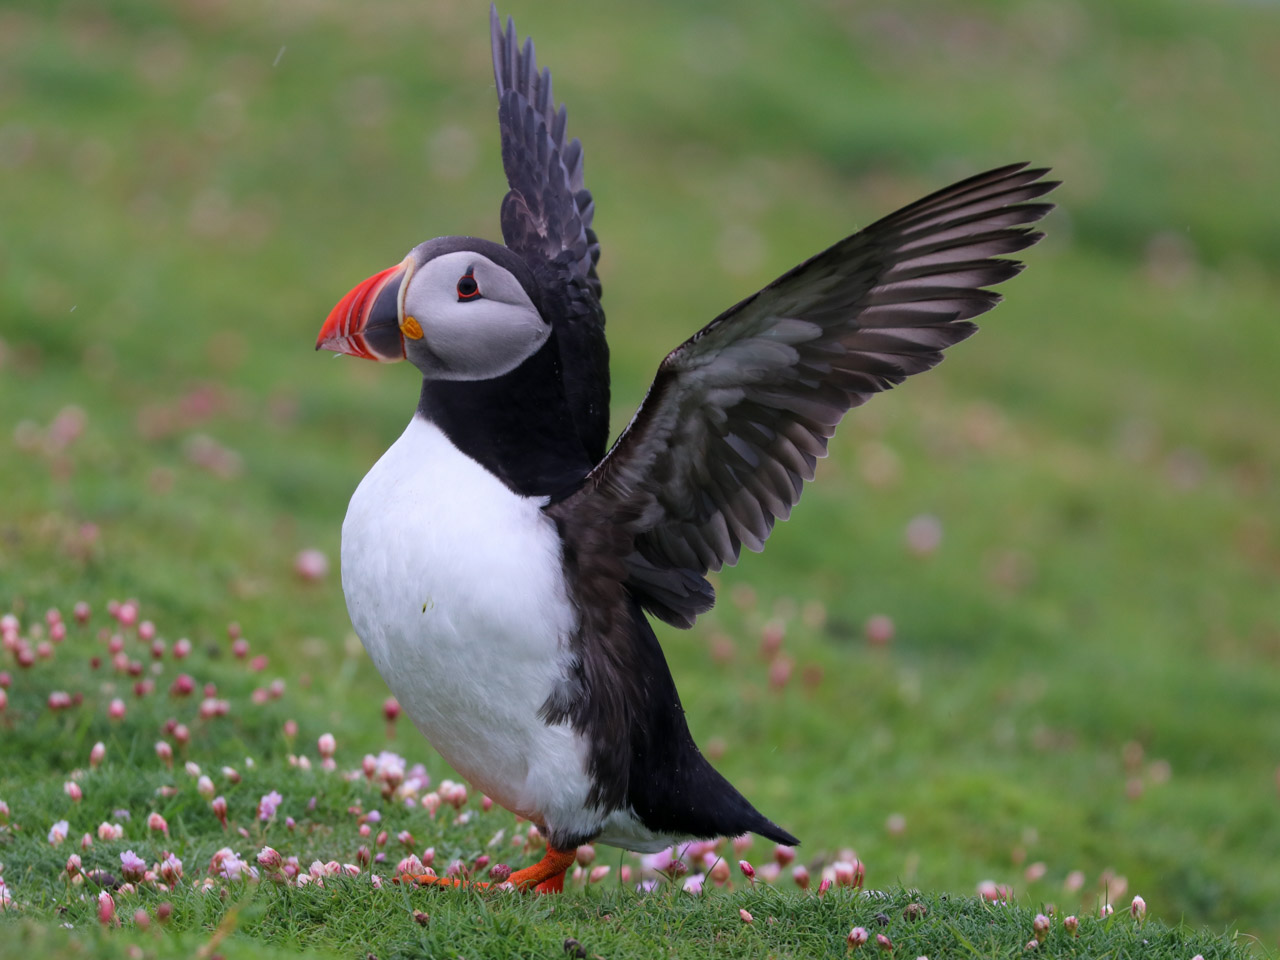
{"x": 468, "y": 289}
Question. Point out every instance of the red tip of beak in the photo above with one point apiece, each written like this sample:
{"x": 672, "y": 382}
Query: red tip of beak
{"x": 343, "y": 330}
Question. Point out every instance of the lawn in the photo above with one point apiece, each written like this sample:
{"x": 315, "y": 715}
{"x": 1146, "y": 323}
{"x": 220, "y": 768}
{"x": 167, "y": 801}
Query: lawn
{"x": 1071, "y": 526}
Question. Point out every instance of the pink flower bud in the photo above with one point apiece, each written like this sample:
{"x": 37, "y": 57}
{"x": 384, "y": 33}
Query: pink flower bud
{"x": 1138, "y": 908}
{"x": 391, "y": 709}
{"x": 327, "y": 745}
{"x": 311, "y": 565}
{"x": 857, "y": 937}
{"x": 748, "y": 870}
{"x": 406, "y": 838}
{"x": 800, "y": 874}
{"x": 74, "y": 866}
{"x": 585, "y": 855}
{"x": 746, "y": 916}
{"x": 106, "y": 909}
{"x": 823, "y": 887}
{"x": 170, "y": 870}
{"x": 849, "y": 873}
{"x": 116, "y": 710}
{"x": 182, "y": 734}
{"x": 784, "y": 854}
{"x": 486, "y": 803}
{"x": 879, "y": 630}
{"x": 240, "y": 648}
{"x": 270, "y": 859}
{"x": 58, "y": 632}
{"x": 183, "y": 684}
{"x": 165, "y": 753}
{"x": 182, "y": 649}
{"x": 219, "y": 807}
{"x": 72, "y": 790}
{"x": 97, "y": 754}
{"x": 127, "y": 613}
{"x": 1071, "y": 925}
{"x": 164, "y": 911}
{"x": 157, "y": 823}
{"x": 1031, "y": 945}
{"x": 86, "y": 841}
{"x": 1105, "y": 911}
{"x": 1040, "y": 926}
{"x": 82, "y": 612}
{"x": 500, "y": 873}
{"x": 884, "y": 943}
{"x": 146, "y": 631}
{"x": 141, "y": 919}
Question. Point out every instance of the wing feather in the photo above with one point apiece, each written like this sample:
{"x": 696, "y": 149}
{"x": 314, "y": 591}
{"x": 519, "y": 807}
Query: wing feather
{"x": 739, "y": 414}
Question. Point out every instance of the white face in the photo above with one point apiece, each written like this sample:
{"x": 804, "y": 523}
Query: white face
{"x": 476, "y": 320}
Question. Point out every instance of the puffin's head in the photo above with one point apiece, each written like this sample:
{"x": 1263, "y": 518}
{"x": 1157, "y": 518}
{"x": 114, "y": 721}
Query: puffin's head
{"x": 458, "y": 308}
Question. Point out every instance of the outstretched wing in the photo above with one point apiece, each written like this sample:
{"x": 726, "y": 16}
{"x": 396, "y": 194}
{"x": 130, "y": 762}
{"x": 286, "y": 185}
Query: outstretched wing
{"x": 547, "y": 212}
{"x": 739, "y": 414}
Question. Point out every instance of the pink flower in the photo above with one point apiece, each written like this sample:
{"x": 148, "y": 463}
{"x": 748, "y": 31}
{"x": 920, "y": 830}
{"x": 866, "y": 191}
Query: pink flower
{"x": 884, "y": 943}
{"x": 692, "y": 884}
{"x": 748, "y": 870}
{"x": 110, "y": 831}
{"x": 132, "y": 866}
{"x": 116, "y": 710}
{"x": 157, "y": 823}
{"x": 746, "y": 916}
{"x": 327, "y": 745}
{"x": 219, "y": 807}
{"x": 1138, "y": 909}
{"x": 204, "y": 786}
{"x": 58, "y": 832}
{"x": 72, "y": 790}
{"x": 586, "y": 855}
{"x": 165, "y": 753}
{"x": 141, "y": 919}
{"x": 800, "y": 874}
{"x": 182, "y": 649}
{"x": 268, "y": 804}
{"x": 270, "y": 859}
{"x": 1071, "y": 924}
{"x": 74, "y": 866}
{"x": 97, "y": 754}
{"x": 784, "y": 854}
{"x": 857, "y": 937}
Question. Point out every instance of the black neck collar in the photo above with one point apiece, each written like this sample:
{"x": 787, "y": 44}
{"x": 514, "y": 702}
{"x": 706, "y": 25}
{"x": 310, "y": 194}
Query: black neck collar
{"x": 517, "y": 426}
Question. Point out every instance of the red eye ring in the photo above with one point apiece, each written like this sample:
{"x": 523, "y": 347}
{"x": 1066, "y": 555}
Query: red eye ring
{"x": 468, "y": 289}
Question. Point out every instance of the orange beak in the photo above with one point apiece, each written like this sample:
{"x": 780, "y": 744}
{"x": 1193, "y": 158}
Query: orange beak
{"x": 366, "y": 322}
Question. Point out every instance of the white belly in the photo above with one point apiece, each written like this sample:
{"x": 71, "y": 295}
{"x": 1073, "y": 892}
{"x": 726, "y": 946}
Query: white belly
{"x": 454, "y": 584}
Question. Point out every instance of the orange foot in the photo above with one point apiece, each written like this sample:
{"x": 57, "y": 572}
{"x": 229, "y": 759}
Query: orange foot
{"x": 545, "y": 876}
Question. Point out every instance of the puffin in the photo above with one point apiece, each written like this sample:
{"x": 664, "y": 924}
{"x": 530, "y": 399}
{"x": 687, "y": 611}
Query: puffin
{"x": 501, "y": 563}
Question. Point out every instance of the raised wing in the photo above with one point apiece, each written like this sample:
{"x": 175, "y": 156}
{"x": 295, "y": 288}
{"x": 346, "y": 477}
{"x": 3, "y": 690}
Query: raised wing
{"x": 547, "y": 212}
{"x": 739, "y": 414}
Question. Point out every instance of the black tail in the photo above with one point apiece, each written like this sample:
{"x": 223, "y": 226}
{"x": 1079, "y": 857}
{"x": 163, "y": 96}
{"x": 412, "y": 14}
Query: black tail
{"x": 671, "y": 786}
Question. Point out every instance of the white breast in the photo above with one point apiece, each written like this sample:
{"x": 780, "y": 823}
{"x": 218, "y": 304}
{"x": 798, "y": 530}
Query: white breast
{"x": 455, "y": 585}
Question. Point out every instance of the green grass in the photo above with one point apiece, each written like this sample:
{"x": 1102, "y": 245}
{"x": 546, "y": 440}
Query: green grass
{"x": 1083, "y": 675}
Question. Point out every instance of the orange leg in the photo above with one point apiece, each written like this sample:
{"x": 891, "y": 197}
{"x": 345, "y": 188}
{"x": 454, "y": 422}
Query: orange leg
{"x": 545, "y": 876}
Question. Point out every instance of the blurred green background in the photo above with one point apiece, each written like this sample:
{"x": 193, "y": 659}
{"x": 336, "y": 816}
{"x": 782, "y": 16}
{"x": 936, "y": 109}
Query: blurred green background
{"x": 1083, "y": 675}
